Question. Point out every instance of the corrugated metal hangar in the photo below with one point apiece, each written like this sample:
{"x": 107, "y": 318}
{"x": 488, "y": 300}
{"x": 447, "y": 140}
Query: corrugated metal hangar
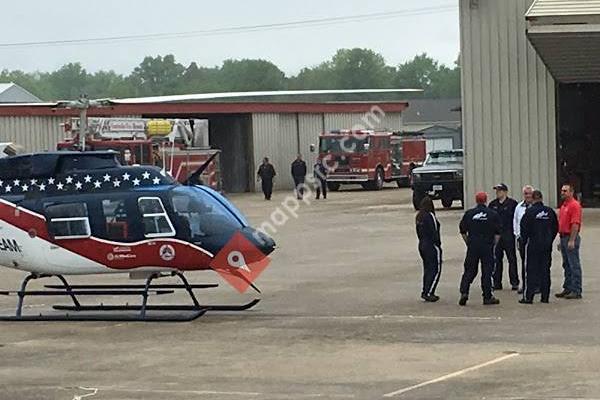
{"x": 530, "y": 94}
{"x": 245, "y": 132}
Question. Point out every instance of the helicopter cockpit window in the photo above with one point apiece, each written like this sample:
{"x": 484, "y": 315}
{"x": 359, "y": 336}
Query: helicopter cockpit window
{"x": 68, "y": 221}
{"x": 156, "y": 220}
{"x": 204, "y": 215}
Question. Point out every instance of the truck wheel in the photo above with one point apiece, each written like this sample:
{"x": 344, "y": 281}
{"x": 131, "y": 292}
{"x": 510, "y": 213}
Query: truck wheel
{"x": 416, "y": 199}
{"x": 333, "y": 186}
{"x": 447, "y": 202}
{"x": 379, "y": 179}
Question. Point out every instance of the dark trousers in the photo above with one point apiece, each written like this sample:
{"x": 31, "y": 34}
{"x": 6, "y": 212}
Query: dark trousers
{"x": 506, "y": 245}
{"x": 432, "y": 267}
{"x": 476, "y": 253}
{"x": 299, "y": 185}
{"x": 267, "y": 188}
{"x": 537, "y": 272}
{"x": 321, "y": 187}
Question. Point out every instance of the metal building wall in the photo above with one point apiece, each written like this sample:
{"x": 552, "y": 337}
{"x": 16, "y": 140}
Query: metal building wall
{"x": 508, "y": 101}
{"x": 274, "y": 136}
{"x": 31, "y": 132}
{"x": 281, "y": 136}
{"x": 391, "y": 121}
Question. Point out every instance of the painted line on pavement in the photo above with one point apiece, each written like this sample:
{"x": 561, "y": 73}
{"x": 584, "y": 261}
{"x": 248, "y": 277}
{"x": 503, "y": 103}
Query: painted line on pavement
{"x": 452, "y": 375}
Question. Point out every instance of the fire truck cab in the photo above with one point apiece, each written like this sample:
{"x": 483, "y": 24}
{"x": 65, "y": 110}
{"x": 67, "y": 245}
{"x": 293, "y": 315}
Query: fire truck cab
{"x": 369, "y": 158}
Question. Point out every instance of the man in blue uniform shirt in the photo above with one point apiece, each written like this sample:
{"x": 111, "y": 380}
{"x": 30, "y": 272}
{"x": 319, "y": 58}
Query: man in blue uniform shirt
{"x": 539, "y": 228}
{"x": 480, "y": 228}
{"x": 505, "y": 207}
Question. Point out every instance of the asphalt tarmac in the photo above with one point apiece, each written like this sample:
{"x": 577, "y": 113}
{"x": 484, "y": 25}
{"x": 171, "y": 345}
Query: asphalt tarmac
{"x": 340, "y": 318}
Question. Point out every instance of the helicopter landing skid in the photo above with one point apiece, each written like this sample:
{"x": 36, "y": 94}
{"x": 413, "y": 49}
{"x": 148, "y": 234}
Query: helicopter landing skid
{"x": 166, "y": 312}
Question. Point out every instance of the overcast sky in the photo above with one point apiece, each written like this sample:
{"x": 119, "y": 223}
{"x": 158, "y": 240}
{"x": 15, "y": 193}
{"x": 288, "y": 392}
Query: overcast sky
{"x": 398, "y": 39}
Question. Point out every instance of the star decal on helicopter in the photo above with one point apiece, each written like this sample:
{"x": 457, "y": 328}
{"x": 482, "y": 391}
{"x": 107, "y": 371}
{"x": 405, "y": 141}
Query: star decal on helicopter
{"x": 105, "y": 180}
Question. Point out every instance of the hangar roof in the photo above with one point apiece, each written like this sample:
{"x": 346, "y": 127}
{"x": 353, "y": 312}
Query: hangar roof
{"x": 198, "y": 108}
{"x": 546, "y": 8}
{"x": 566, "y": 35}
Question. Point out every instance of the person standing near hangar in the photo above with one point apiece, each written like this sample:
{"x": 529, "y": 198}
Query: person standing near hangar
{"x": 519, "y": 212}
{"x": 569, "y": 221}
{"x": 299, "y": 175}
{"x": 480, "y": 228}
{"x": 266, "y": 174}
{"x": 505, "y": 207}
{"x": 539, "y": 228}
{"x": 430, "y": 249}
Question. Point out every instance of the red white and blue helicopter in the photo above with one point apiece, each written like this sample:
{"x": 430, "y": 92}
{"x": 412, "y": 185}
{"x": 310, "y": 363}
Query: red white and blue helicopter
{"x": 82, "y": 213}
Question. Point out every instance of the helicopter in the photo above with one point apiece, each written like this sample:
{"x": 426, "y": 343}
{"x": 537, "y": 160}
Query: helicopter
{"x": 83, "y": 213}
{"x": 79, "y": 213}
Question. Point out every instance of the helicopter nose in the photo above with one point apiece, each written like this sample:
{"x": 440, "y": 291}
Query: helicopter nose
{"x": 262, "y": 241}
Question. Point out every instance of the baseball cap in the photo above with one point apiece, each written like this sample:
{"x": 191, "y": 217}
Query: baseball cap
{"x": 501, "y": 186}
{"x": 481, "y": 198}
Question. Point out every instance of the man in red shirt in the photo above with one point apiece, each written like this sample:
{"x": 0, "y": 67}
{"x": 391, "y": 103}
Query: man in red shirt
{"x": 569, "y": 226}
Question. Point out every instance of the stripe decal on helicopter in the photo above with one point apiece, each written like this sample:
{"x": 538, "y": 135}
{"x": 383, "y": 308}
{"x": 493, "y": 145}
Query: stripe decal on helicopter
{"x": 164, "y": 252}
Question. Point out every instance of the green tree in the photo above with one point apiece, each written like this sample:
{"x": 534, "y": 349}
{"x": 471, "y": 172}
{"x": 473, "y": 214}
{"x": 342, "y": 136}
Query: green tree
{"x": 68, "y": 82}
{"x": 248, "y": 75}
{"x": 156, "y": 76}
{"x": 360, "y": 69}
{"x": 423, "y": 72}
{"x": 200, "y": 79}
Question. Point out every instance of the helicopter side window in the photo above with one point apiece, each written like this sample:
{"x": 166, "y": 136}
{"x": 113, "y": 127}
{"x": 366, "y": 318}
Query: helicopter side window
{"x": 68, "y": 221}
{"x": 155, "y": 218}
{"x": 115, "y": 217}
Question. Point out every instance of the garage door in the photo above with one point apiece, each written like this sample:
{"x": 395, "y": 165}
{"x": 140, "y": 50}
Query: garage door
{"x": 439, "y": 144}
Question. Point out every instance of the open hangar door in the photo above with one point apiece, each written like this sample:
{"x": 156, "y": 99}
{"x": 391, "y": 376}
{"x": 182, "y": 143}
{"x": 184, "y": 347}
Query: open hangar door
{"x": 232, "y": 134}
{"x": 566, "y": 35}
{"x": 579, "y": 139}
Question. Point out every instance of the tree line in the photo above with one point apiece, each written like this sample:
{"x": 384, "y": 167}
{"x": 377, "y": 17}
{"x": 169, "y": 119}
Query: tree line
{"x": 163, "y": 75}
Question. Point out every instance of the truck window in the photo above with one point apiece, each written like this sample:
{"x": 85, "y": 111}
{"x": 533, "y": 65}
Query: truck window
{"x": 342, "y": 144}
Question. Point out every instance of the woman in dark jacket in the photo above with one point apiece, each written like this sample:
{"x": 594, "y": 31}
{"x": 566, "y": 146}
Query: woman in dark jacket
{"x": 430, "y": 248}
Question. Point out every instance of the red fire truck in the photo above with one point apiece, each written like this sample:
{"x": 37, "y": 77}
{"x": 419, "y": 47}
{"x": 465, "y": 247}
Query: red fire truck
{"x": 369, "y": 158}
{"x": 177, "y": 146}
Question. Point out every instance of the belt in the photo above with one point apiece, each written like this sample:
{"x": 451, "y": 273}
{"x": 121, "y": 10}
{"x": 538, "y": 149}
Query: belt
{"x": 564, "y": 234}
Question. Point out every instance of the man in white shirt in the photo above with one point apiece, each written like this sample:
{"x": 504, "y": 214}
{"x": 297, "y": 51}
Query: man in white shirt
{"x": 519, "y": 212}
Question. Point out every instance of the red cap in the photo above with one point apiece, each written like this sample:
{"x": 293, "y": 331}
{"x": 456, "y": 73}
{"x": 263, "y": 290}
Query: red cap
{"x": 481, "y": 198}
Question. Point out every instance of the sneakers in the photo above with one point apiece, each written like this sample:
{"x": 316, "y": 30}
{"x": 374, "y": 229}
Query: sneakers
{"x": 514, "y": 288}
{"x": 525, "y": 301}
{"x": 463, "y": 300}
{"x": 431, "y": 298}
{"x": 491, "y": 301}
{"x": 563, "y": 293}
{"x": 572, "y": 296}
